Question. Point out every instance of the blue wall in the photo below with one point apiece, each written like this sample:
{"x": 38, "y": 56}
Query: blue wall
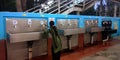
{"x": 4, "y": 15}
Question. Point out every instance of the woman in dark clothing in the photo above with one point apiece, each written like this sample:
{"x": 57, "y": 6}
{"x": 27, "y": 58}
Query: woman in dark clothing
{"x": 56, "y": 41}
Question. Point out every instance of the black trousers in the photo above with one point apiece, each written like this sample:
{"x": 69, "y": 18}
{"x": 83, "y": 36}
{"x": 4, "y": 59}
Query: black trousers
{"x": 55, "y": 56}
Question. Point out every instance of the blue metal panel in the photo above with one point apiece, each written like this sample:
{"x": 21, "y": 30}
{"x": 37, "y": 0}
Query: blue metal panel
{"x": 99, "y": 21}
{"x": 119, "y": 26}
{"x": 114, "y": 23}
{"x": 2, "y": 31}
{"x": 81, "y": 22}
{"x": 81, "y": 19}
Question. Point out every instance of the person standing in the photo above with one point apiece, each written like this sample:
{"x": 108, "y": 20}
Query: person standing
{"x": 56, "y": 42}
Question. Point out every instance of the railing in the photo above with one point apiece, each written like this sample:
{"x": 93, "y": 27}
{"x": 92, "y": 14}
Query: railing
{"x": 61, "y": 6}
{"x": 55, "y": 6}
{"x": 65, "y": 5}
{"x": 88, "y": 3}
{"x": 37, "y": 7}
{"x": 46, "y": 9}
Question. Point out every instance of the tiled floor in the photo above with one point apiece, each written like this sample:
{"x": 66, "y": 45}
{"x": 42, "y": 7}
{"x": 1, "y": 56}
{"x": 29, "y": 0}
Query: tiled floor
{"x": 112, "y": 53}
{"x": 77, "y": 54}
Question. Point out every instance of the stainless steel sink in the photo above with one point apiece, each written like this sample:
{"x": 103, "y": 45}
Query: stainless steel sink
{"x": 93, "y": 29}
{"x": 22, "y": 37}
{"x": 72, "y": 31}
{"x": 96, "y": 29}
{"x": 24, "y": 29}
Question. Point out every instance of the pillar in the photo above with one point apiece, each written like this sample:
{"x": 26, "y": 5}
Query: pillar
{"x": 119, "y": 11}
{"x": 19, "y": 6}
{"x": 58, "y": 6}
{"x": 49, "y": 49}
{"x": 81, "y": 40}
{"x": 3, "y": 50}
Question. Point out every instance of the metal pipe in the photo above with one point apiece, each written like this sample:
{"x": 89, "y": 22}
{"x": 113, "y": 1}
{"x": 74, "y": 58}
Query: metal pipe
{"x": 69, "y": 42}
{"x": 29, "y": 44}
{"x": 115, "y": 10}
{"x": 92, "y": 40}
